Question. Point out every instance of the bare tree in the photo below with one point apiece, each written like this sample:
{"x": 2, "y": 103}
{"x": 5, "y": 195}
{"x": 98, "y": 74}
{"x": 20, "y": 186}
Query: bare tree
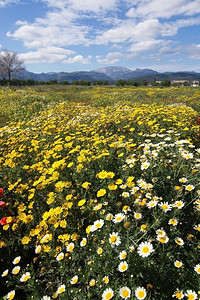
{"x": 10, "y": 64}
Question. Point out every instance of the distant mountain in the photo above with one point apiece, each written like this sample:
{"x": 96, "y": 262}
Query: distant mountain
{"x": 111, "y": 74}
{"x": 124, "y": 73}
{"x": 65, "y": 76}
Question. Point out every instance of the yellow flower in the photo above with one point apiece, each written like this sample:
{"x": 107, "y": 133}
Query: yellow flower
{"x": 81, "y": 202}
{"x": 63, "y": 224}
{"x": 102, "y": 174}
{"x": 101, "y": 193}
{"x": 106, "y": 280}
{"x": 25, "y": 240}
{"x": 2, "y": 244}
{"x": 86, "y": 185}
{"x": 112, "y": 187}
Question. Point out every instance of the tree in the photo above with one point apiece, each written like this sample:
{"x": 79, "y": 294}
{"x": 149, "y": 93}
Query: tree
{"x": 144, "y": 82}
{"x": 10, "y": 64}
{"x": 166, "y": 82}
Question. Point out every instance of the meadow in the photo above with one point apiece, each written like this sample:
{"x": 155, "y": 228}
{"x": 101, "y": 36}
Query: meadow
{"x": 100, "y": 193}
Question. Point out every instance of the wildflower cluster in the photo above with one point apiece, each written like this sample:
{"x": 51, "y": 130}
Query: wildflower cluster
{"x": 100, "y": 203}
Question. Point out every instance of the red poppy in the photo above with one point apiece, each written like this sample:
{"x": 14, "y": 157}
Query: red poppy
{"x": 2, "y": 204}
{"x": 3, "y": 221}
{"x": 1, "y": 192}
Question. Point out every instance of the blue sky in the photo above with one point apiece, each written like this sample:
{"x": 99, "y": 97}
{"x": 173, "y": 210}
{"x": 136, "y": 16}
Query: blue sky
{"x": 82, "y": 35}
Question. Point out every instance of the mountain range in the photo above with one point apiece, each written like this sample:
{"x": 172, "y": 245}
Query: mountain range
{"x": 111, "y": 74}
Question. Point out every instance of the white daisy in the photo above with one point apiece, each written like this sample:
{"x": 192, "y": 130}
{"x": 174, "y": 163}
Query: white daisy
{"x": 46, "y": 298}
{"x": 74, "y": 280}
{"x": 60, "y": 256}
{"x": 118, "y": 218}
{"x": 61, "y": 289}
{"x": 160, "y": 232}
{"x": 25, "y": 277}
{"x": 5, "y": 273}
{"x": 197, "y": 268}
{"x": 107, "y": 294}
{"x": 189, "y": 187}
{"x": 123, "y": 266}
{"x": 16, "y": 270}
{"x": 10, "y": 295}
{"x": 178, "y": 264}
{"x": 140, "y": 293}
{"x": 137, "y": 215}
{"x": 83, "y": 242}
{"x": 178, "y": 294}
{"x": 152, "y": 203}
{"x": 145, "y": 165}
{"x": 97, "y": 224}
{"x": 70, "y": 247}
{"x": 145, "y": 249}
{"x": 38, "y": 249}
{"x": 125, "y": 194}
{"x": 122, "y": 255}
{"x": 125, "y": 292}
{"x": 192, "y": 295}
{"x": 173, "y": 222}
{"x": 16, "y": 260}
{"x": 163, "y": 239}
{"x": 114, "y": 239}
{"x": 183, "y": 180}
{"x": 179, "y": 204}
{"x": 165, "y": 206}
{"x": 179, "y": 241}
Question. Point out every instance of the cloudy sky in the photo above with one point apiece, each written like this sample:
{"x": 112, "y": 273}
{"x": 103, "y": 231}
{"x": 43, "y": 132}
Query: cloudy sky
{"x": 75, "y": 35}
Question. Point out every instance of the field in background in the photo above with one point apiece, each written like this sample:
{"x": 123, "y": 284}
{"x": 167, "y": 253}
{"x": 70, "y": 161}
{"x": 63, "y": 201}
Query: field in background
{"x": 100, "y": 193}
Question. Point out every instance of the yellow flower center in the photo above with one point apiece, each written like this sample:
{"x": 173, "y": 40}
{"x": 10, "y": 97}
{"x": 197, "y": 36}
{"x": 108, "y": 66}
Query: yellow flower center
{"x": 113, "y": 239}
{"x": 163, "y": 239}
{"x": 141, "y": 294}
{"x": 26, "y": 277}
{"x": 145, "y": 249}
{"x": 61, "y": 290}
{"x": 179, "y": 295}
{"x": 125, "y": 293}
{"x": 108, "y": 296}
{"x": 164, "y": 206}
{"x": 124, "y": 267}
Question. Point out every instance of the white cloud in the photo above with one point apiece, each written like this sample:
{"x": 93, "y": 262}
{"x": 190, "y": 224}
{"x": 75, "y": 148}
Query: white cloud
{"x": 168, "y": 50}
{"x": 80, "y": 5}
{"x": 146, "y": 45}
{"x": 78, "y": 59}
{"x": 158, "y": 9}
{"x": 114, "y": 57}
{"x": 193, "y": 51}
{"x": 4, "y": 3}
{"x": 131, "y": 32}
{"x": 48, "y": 54}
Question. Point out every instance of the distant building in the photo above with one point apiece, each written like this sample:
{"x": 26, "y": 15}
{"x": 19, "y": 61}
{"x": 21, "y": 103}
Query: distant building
{"x": 195, "y": 83}
{"x": 178, "y": 82}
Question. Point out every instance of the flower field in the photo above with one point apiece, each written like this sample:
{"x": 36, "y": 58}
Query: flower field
{"x": 100, "y": 193}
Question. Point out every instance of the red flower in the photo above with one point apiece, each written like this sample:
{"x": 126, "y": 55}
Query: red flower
{"x": 1, "y": 192}
{"x": 2, "y": 204}
{"x": 3, "y": 221}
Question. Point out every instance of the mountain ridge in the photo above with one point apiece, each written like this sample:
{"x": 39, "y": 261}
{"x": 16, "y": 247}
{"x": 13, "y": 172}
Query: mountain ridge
{"x": 111, "y": 74}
